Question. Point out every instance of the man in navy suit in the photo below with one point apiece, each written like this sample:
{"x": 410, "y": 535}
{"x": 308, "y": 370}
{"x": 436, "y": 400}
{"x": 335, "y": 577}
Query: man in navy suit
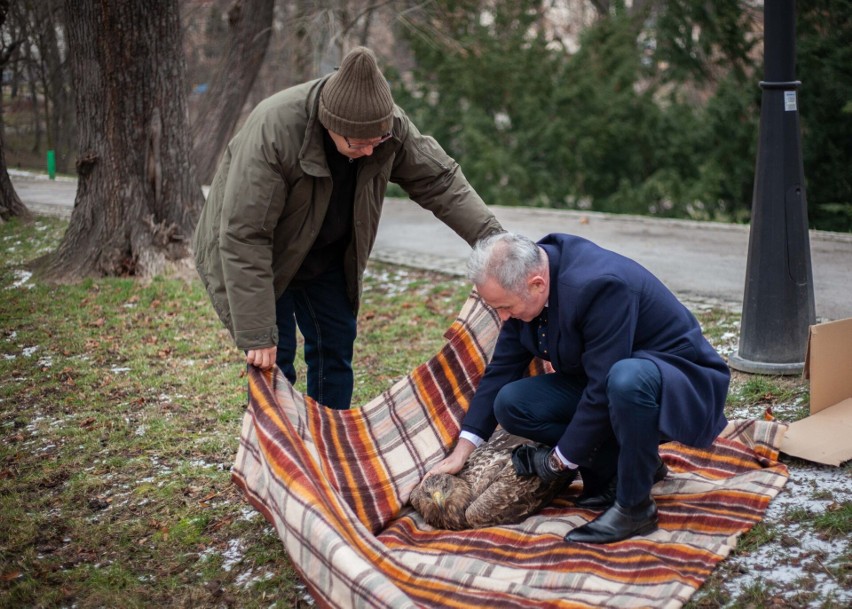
{"x": 632, "y": 369}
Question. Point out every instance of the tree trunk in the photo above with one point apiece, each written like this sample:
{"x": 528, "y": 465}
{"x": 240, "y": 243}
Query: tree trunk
{"x": 10, "y": 203}
{"x": 250, "y": 23}
{"x": 61, "y": 127}
{"x": 137, "y": 198}
{"x": 32, "y": 78}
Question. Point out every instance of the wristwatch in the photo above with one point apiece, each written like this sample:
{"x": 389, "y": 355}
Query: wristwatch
{"x": 555, "y": 462}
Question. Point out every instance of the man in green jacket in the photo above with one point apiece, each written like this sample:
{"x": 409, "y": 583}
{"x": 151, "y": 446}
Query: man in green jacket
{"x": 293, "y": 212}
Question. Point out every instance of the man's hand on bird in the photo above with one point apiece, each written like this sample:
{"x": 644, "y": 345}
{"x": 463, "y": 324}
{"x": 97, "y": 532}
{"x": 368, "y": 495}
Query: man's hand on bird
{"x": 453, "y": 463}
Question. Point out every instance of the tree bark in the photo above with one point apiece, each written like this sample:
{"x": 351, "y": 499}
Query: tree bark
{"x": 60, "y": 119}
{"x": 11, "y": 205}
{"x": 250, "y": 23}
{"x": 137, "y": 197}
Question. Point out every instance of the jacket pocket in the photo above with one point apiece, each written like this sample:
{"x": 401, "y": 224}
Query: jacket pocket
{"x": 685, "y": 350}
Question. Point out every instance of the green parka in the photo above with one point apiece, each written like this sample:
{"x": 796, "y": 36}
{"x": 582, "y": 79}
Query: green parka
{"x": 270, "y": 194}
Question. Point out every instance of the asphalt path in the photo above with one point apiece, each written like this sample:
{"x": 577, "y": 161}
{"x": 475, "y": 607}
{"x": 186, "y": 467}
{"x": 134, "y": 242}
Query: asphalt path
{"x": 699, "y": 261}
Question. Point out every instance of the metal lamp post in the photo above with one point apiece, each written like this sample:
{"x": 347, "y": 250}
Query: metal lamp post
{"x": 778, "y": 304}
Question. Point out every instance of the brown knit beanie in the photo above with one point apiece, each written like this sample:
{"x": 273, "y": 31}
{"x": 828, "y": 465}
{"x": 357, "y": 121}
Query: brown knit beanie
{"x": 356, "y": 100}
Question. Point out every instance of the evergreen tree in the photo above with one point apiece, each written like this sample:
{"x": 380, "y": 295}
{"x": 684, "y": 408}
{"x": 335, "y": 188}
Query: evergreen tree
{"x": 483, "y": 87}
{"x": 656, "y": 113}
{"x": 824, "y": 65}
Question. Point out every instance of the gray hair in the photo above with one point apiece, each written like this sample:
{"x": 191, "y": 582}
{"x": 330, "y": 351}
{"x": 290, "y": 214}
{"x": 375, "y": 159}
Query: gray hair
{"x": 507, "y": 258}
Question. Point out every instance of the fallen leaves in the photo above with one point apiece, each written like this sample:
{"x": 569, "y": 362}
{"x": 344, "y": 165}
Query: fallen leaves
{"x": 222, "y": 523}
{"x": 99, "y": 503}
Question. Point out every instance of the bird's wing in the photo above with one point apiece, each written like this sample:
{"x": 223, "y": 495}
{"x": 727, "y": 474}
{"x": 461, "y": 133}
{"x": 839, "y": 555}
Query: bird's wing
{"x": 509, "y": 498}
{"x": 488, "y": 461}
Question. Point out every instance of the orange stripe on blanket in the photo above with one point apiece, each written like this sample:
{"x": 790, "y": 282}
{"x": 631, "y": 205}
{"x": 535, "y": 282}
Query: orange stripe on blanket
{"x": 344, "y": 456}
{"x": 428, "y": 393}
{"x": 471, "y": 358}
{"x": 368, "y": 471}
{"x": 721, "y": 466}
{"x": 628, "y": 561}
{"x": 451, "y": 383}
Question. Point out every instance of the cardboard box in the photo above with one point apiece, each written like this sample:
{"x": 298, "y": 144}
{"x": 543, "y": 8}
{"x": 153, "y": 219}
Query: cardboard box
{"x": 826, "y": 435}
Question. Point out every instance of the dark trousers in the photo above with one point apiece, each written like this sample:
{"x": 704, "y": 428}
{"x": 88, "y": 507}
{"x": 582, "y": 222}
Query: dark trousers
{"x": 325, "y": 318}
{"x": 541, "y": 407}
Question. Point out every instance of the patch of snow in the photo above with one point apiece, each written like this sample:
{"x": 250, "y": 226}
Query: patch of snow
{"x": 799, "y": 557}
{"x": 233, "y": 555}
{"x": 307, "y": 598}
{"x": 249, "y": 513}
{"x": 22, "y": 280}
{"x": 247, "y": 579}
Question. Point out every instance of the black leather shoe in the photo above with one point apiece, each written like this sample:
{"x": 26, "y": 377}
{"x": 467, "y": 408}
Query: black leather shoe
{"x": 605, "y": 497}
{"x": 617, "y": 523}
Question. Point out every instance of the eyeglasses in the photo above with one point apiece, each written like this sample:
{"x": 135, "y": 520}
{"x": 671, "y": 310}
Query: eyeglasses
{"x": 373, "y": 144}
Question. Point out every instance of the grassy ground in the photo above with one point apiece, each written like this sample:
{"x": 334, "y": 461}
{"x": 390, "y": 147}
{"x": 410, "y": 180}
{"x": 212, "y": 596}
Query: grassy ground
{"x": 120, "y": 408}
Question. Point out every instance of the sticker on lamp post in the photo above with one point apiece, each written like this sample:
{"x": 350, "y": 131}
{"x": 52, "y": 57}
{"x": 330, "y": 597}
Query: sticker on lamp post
{"x": 790, "y": 101}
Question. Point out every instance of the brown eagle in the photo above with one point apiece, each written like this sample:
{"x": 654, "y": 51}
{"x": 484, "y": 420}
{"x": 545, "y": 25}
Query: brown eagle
{"x": 486, "y": 492}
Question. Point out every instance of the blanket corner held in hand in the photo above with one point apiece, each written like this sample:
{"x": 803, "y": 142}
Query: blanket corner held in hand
{"x": 335, "y": 485}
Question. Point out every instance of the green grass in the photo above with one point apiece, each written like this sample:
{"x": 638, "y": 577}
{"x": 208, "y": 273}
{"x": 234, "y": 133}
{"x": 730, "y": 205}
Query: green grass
{"x": 758, "y": 535}
{"x": 836, "y": 522}
{"x": 120, "y": 411}
{"x": 764, "y": 390}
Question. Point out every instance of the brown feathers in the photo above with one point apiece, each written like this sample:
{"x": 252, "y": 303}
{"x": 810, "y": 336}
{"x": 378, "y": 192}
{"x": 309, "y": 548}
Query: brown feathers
{"x": 486, "y": 492}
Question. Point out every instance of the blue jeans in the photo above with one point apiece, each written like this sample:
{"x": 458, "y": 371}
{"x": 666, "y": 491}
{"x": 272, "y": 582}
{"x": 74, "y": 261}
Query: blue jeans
{"x": 325, "y": 318}
{"x": 541, "y": 407}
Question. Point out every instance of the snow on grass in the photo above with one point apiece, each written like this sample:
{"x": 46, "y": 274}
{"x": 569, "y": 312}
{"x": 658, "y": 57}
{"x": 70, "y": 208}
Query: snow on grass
{"x": 799, "y": 557}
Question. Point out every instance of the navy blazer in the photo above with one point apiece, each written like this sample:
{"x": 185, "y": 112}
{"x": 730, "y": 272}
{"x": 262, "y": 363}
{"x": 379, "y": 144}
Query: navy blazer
{"x": 603, "y": 308}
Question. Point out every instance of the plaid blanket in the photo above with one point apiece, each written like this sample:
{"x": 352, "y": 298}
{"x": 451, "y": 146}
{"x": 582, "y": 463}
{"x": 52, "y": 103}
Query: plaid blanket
{"x": 335, "y": 486}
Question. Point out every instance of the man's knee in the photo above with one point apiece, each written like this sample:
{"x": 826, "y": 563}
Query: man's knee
{"x": 633, "y": 381}
{"x": 508, "y": 407}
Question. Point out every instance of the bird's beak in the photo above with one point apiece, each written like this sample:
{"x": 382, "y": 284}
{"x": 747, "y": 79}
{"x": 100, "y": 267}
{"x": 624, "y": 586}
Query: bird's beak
{"x": 438, "y": 498}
